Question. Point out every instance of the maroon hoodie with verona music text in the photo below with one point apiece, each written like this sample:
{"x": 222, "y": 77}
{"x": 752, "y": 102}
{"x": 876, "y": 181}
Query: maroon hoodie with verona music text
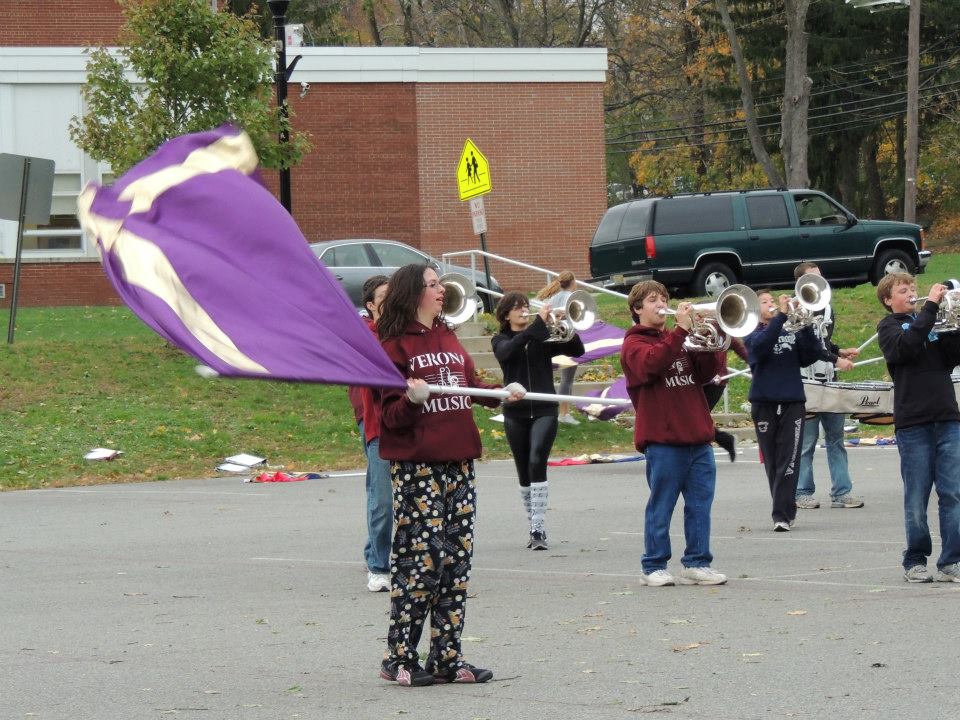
{"x": 664, "y": 382}
{"x": 442, "y": 429}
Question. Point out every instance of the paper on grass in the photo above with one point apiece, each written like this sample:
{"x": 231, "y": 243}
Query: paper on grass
{"x": 233, "y": 467}
{"x": 102, "y": 454}
{"x": 244, "y": 459}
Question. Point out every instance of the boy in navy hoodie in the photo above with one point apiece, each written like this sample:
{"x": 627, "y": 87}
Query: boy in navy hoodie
{"x": 777, "y": 399}
{"x": 673, "y": 428}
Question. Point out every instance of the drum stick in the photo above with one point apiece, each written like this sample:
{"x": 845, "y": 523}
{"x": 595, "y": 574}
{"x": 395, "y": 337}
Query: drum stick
{"x": 745, "y": 371}
{"x": 867, "y": 362}
{"x": 870, "y": 340}
{"x": 483, "y": 392}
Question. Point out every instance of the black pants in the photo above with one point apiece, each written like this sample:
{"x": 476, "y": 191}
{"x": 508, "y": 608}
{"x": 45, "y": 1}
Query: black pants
{"x": 531, "y": 440}
{"x": 779, "y": 433}
{"x": 433, "y": 513}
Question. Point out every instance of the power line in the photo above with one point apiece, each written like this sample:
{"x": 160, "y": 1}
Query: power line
{"x": 947, "y": 64}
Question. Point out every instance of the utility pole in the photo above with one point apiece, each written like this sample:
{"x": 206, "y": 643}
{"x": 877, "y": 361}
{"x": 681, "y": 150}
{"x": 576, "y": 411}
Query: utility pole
{"x": 913, "y": 115}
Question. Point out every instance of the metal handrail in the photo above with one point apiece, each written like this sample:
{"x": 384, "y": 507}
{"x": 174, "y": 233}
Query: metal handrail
{"x": 549, "y": 273}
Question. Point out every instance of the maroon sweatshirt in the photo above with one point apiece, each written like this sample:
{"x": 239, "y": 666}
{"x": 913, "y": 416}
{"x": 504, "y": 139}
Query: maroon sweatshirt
{"x": 663, "y": 381}
{"x": 442, "y": 429}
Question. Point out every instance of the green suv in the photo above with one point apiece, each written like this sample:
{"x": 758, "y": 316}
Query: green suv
{"x": 707, "y": 241}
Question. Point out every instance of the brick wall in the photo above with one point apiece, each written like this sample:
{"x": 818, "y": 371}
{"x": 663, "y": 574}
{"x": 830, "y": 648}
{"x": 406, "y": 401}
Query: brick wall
{"x": 545, "y": 146}
{"x": 73, "y": 283}
{"x": 361, "y": 178}
{"x": 59, "y": 23}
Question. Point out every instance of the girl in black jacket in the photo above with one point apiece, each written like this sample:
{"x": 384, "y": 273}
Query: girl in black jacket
{"x": 531, "y": 426}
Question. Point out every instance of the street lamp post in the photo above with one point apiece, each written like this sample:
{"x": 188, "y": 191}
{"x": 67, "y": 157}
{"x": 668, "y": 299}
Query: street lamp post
{"x": 278, "y": 8}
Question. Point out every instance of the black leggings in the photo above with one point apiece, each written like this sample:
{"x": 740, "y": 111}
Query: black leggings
{"x": 531, "y": 440}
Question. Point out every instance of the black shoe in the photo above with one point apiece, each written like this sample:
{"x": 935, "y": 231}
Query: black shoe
{"x": 538, "y": 541}
{"x": 466, "y": 673}
{"x": 406, "y": 675}
{"x": 728, "y": 442}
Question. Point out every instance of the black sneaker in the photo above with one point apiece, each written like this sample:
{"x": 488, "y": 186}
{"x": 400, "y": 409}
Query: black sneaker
{"x": 538, "y": 541}
{"x": 466, "y": 673}
{"x": 406, "y": 675}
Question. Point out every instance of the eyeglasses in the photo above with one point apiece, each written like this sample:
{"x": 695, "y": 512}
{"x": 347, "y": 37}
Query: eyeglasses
{"x": 434, "y": 285}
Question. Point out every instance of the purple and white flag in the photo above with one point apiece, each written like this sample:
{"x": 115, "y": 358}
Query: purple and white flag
{"x": 599, "y": 340}
{"x": 606, "y": 412}
{"x": 208, "y": 258}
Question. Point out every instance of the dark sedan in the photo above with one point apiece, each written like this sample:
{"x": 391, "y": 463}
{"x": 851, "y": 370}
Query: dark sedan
{"x": 353, "y": 261}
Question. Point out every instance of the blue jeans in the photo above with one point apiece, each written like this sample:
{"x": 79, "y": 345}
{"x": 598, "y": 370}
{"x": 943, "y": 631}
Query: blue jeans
{"x": 672, "y": 471}
{"x": 840, "y": 483}
{"x": 930, "y": 457}
{"x": 379, "y": 508}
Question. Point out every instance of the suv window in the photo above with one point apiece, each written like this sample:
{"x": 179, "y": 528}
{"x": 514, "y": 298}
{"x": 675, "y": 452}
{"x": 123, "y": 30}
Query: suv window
{"x": 817, "y": 210}
{"x": 345, "y": 256}
{"x": 767, "y": 211}
{"x": 693, "y": 215}
{"x": 609, "y": 228}
{"x": 635, "y": 221}
{"x": 395, "y": 255}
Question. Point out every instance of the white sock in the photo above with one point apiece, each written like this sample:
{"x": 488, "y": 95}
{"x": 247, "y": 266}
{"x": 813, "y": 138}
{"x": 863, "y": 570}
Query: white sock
{"x": 538, "y": 506}
{"x": 525, "y": 496}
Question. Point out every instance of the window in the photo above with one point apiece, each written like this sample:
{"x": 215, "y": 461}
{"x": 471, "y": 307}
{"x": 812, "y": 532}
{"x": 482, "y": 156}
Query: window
{"x": 635, "y": 221}
{"x": 63, "y": 231}
{"x": 767, "y": 211}
{"x": 693, "y": 215}
{"x": 609, "y": 228}
{"x": 396, "y": 255}
{"x": 817, "y": 210}
{"x": 346, "y": 256}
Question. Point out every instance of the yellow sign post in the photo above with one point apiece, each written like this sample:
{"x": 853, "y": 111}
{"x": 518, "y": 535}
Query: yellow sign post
{"x": 473, "y": 172}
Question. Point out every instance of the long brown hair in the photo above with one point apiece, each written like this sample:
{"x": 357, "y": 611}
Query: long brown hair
{"x": 564, "y": 281}
{"x": 400, "y": 304}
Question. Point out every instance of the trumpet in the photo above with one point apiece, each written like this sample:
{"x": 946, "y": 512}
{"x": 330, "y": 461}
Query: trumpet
{"x": 579, "y": 312}
{"x": 736, "y": 313}
{"x": 459, "y": 298}
{"x": 948, "y": 312}
{"x": 812, "y": 293}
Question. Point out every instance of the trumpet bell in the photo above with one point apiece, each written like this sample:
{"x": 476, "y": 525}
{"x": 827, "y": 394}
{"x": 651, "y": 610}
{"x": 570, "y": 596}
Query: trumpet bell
{"x": 738, "y": 311}
{"x": 459, "y": 298}
{"x": 581, "y": 310}
{"x": 813, "y": 292}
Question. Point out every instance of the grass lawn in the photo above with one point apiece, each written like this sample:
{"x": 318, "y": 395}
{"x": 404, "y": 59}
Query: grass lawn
{"x": 79, "y": 378}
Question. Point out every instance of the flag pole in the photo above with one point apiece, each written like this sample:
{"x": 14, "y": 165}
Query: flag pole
{"x": 547, "y": 397}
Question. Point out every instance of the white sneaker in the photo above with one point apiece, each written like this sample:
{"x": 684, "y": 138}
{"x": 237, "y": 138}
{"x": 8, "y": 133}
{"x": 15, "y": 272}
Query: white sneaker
{"x": 658, "y": 578}
{"x": 917, "y": 574}
{"x": 378, "y": 582}
{"x": 568, "y": 419}
{"x": 949, "y": 573}
{"x": 781, "y": 526}
{"x": 701, "y": 576}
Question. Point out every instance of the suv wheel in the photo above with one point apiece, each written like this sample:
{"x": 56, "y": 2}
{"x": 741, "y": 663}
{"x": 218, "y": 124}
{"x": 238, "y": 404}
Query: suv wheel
{"x": 891, "y": 261}
{"x": 712, "y": 279}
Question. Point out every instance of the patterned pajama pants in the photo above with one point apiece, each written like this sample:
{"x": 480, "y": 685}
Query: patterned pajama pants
{"x": 433, "y": 513}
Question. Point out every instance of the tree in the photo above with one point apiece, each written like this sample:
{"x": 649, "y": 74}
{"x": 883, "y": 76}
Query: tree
{"x": 322, "y": 19}
{"x": 196, "y": 69}
{"x": 749, "y": 108}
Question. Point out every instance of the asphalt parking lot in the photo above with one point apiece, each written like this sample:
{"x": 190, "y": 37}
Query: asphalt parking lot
{"x": 220, "y": 599}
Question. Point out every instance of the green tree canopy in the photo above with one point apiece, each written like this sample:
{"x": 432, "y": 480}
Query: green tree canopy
{"x": 181, "y": 68}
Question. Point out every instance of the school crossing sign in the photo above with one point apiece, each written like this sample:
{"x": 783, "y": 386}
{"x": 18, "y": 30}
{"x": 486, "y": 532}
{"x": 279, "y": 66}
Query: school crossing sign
{"x": 473, "y": 172}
